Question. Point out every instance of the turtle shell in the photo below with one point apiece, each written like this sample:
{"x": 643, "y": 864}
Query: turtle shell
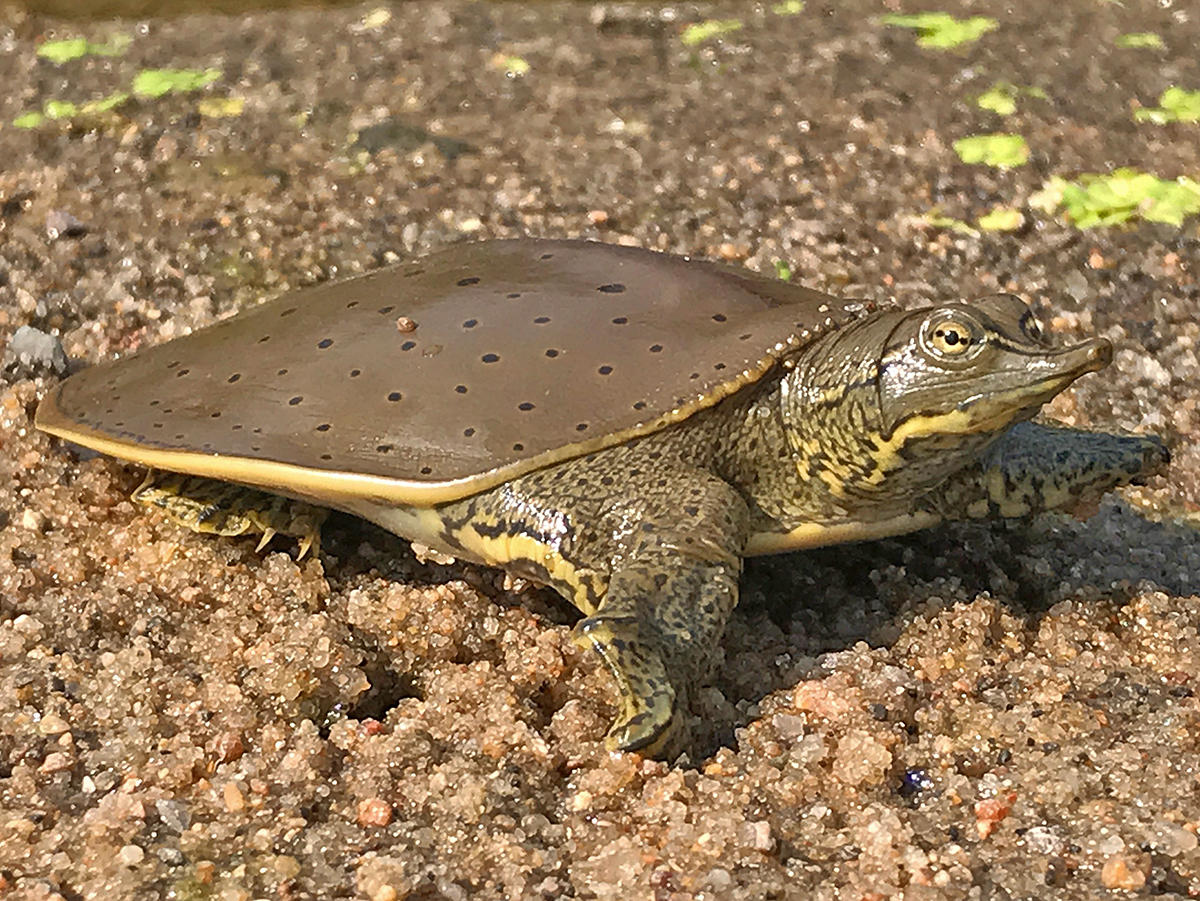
{"x": 442, "y": 377}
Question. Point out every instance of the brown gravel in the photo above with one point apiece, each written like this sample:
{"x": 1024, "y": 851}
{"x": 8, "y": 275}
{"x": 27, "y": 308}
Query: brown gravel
{"x": 976, "y": 712}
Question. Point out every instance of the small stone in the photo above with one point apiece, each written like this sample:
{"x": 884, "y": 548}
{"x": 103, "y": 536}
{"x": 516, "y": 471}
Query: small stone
{"x": 32, "y": 520}
{"x": 374, "y": 812}
{"x": 173, "y": 814}
{"x": 61, "y": 224}
{"x": 172, "y": 857}
{"x": 53, "y": 725}
{"x": 1122, "y": 872}
{"x": 131, "y": 855}
{"x": 404, "y": 325}
{"x": 57, "y": 762}
{"x": 32, "y": 352}
{"x": 234, "y": 800}
{"x": 228, "y": 747}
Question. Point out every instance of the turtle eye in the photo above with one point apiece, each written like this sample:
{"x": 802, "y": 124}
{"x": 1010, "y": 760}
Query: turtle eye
{"x": 951, "y": 338}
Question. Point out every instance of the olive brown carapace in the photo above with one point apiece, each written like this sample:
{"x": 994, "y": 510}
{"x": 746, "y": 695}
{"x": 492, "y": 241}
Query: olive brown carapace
{"x": 622, "y": 425}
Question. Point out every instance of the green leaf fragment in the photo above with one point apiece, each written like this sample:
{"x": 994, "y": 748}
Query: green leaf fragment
{"x": 221, "y": 107}
{"x": 75, "y": 48}
{"x": 942, "y": 31}
{"x": 788, "y": 8}
{"x": 1174, "y": 105}
{"x": 1136, "y": 40}
{"x": 1126, "y": 194}
{"x": 60, "y": 109}
{"x": 1002, "y": 150}
{"x": 699, "y": 32}
{"x": 783, "y": 270}
{"x": 150, "y": 83}
{"x": 937, "y": 220}
{"x": 1001, "y": 219}
{"x": 29, "y": 120}
{"x": 999, "y": 98}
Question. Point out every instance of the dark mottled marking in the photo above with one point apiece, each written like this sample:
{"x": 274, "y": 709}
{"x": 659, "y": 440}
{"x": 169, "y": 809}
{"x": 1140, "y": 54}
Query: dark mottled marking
{"x": 394, "y": 396}
{"x": 552, "y": 353}
{"x": 605, "y": 370}
{"x": 233, "y": 378}
{"x": 288, "y": 312}
{"x": 471, "y": 323}
{"x": 525, "y": 407}
{"x": 174, "y": 364}
{"x": 351, "y": 305}
{"x": 425, "y": 470}
{"x": 468, "y": 433}
{"x": 719, "y": 366}
{"x": 408, "y": 345}
{"x": 216, "y": 415}
{"x": 469, "y": 280}
{"x": 541, "y": 320}
{"x": 181, "y": 373}
{"x": 264, "y": 339}
{"x": 282, "y": 372}
{"x": 324, "y": 427}
{"x": 656, "y": 348}
{"x": 582, "y": 427}
{"x": 518, "y": 447}
{"x": 490, "y": 358}
{"x": 294, "y": 401}
{"x": 640, "y": 405}
{"x": 613, "y": 288}
{"x": 383, "y": 448}
{"x": 324, "y": 343}
{"x": 719, "y": 317}
{"x": 326, "y": 456}
{"x": 355, "y": 373}
{"x": 383, "y": 311}
{"x": 461, "y": 389}
{"x": 621, "y": 320}
{"x": 513, "y": 296}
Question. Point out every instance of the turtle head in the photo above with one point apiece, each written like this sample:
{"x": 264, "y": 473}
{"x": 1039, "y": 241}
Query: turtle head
{"x": 970, "y": 369}
{"x": 893, "y": 404}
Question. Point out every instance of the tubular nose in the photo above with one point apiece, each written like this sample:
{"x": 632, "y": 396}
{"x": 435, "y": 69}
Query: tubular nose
{"x": 1100, "y": 353}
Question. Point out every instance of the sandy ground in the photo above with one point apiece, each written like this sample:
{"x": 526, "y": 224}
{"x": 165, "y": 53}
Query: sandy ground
{"x": 979, "y": 712}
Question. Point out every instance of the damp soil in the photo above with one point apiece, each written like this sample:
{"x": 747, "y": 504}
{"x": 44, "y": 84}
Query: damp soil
{"x": 1003, "y": 711}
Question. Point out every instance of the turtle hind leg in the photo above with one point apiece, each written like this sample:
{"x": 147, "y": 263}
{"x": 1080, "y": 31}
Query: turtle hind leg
{"x": 223, "y": 508}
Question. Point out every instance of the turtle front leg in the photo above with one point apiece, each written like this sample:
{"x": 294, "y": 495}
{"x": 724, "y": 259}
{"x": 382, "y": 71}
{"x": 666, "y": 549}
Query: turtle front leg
{"x": 1034, "y": 468}
{"x": 659, "y": 627}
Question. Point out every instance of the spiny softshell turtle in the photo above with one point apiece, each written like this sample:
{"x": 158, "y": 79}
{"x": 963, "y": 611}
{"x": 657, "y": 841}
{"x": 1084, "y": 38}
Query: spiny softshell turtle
{"x": 623, "y": 425}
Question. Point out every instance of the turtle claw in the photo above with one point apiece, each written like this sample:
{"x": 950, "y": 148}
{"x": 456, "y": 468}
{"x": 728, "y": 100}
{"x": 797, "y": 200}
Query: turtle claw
{"x": 647, "y": 702}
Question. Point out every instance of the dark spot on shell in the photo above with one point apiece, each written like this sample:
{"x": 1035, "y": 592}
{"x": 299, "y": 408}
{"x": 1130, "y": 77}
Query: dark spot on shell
{"x": 282, "y": 372}
{"x": 119, "y": 422}
{"x": 288, "y": 312}
{"x": 719, "y": 366}
{"x": 746, "y": 336}
{"x": 411, "y": 272}
{"x": 467, "y": 433}
{"x": 257, "y": 431}
{"x": 324, "y": 343}
{"x": 237, "y": 427}
{"x": 425, "y": 470}
{"x": 233, "y": 378}
{"x": 179, "y": 437}
{"x": 157, "y": 425}
{"x": 216, "y": 415}
{"x": 408, "y": 345}
{"x": 614, "y": 288}
{"x": 640, "y": 405}
{"x": 607, "y": 480}
{"x": 394, "y": 396}
{"x": 174, "y": 364}
{"x": 547, "y": 256}
{"x": 352, "y": 305}
{"x": 155, "y": 403}
{"x": 461, "y": 389}
{"x": 355, "y": 373}
{"x": 552, "y": 352}
{"x": 383, "y": 311}
{"x": 470, "y": 280}
{"x": 605, "y": 370}
{"x": 326, "y": 456}
{"x": 694, "y": 375}
{"x": 295, "y": 400}
{"x": 255, "y": 447}
{"x": 655, "y": 348}
{"x": 264, "y": 339}
{"x": 181, "y": 373}
{"x": 541, "y": 320}
{"x": 471, "y": 323}
{"x": 719, "y": 317}
{"x": 513, "y": 296}
{"x": 383, "y": 448}
{"x": 324, "y": 427}
{"x": 518, "y": 447}
{"x": 525, "y": 407}
{"x": 582, "y": 427}
{"x": 490, "y": 358}
{"x": 621, "y": 320}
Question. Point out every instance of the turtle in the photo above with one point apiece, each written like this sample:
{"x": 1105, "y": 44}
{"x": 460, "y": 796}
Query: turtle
{"x": 623, "y": 425}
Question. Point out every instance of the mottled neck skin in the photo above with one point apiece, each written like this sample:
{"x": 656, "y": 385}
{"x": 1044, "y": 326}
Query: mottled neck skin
{"x": 813, "y": 446}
